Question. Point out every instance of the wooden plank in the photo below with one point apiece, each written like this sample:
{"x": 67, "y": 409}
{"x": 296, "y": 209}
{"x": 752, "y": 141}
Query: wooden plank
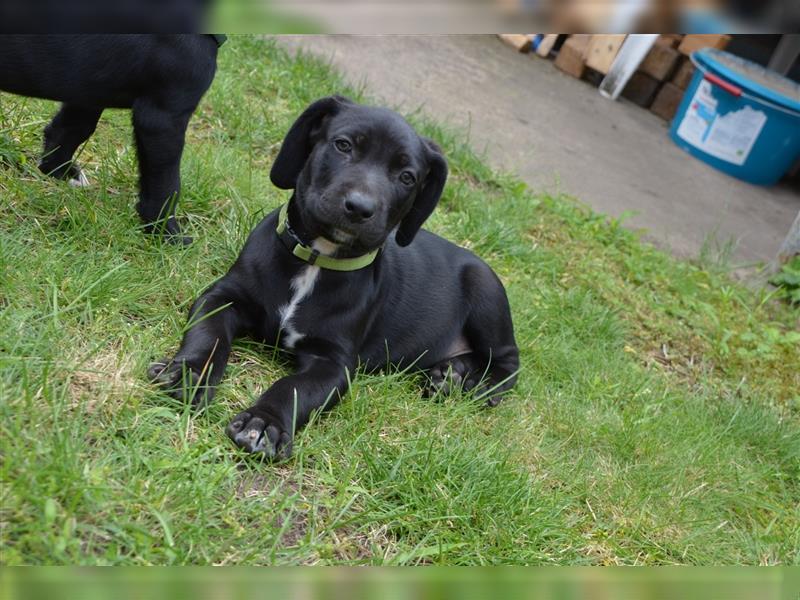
{"x": 521, "y": 42}
{"x": 667, "y": 101}
{"x": 660, "y": 62}
{"x": 641, "y": 89}
{"x": 572, "y": 57}
{"x": 603, "y": 50}
{"x": 684, "y": 73}
{"x": 546, "y": 44}
{"x": 672, "y": 40}
{"x": 693, "y": 42}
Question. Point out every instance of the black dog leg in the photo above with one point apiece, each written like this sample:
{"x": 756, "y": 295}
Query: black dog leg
{"x": 490, "y": 333}
{"x": 71, "y": 126}
{"x": 500, "y": 356}
{"x": 269, "y": 425}
{"x": 197, "y": 368}
{"x": 159, "y": 136}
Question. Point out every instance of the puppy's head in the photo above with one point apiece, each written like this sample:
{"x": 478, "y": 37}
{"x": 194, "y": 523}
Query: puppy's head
{"x": 358, "y": 172}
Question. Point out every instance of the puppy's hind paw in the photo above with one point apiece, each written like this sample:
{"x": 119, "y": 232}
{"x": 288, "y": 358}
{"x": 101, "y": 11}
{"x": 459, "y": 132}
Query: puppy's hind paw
{"x": 442, "y": 380}
{"x": 493, "y": 401}
{"x": 449, "y": 376}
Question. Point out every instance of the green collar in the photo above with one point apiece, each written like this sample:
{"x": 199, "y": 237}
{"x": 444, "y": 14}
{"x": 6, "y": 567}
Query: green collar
{"x": 313, "y": 257}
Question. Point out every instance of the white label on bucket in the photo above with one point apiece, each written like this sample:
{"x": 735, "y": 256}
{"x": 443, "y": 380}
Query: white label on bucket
{"x": 729, "y": 137}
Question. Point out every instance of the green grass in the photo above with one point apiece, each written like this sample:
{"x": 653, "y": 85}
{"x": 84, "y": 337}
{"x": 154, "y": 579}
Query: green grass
{"x": 656, "y": 420}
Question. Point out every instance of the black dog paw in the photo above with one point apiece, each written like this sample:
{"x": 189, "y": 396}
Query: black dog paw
{"x": 460, "y": 374}
{"x": 493, "y": 401}
{"x": 258, "y": 434}
{"x": 70, "y": 172}
{"x": 179, "y": 381}
{"x": 174, "y": 233}
{"x": 488, "y": 393}
{"x": 442, "y": 381}
{"x": 78, "y": 179}
{"x": 170, "y": 230}
{"x": 446, "y": 377}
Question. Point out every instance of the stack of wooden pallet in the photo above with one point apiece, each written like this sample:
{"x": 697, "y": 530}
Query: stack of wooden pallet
{"x": 658, "y": 84}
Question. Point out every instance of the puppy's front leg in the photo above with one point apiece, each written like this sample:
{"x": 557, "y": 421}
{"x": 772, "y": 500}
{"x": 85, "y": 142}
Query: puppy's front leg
{"x": 268, "y": 426}
{"x": 193, "y": 374}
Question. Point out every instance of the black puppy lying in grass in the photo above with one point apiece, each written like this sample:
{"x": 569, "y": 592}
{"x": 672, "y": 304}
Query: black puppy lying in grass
{"x": 160, "y": 77}
{"x": 342, "y": 276}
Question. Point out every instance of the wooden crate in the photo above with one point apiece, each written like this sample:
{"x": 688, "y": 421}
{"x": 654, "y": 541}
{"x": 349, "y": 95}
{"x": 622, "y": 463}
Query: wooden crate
{"x": 641, "y": 89}
{"x": 660, "y": 62}
{"x": 667, "y": 101}
{"x": 521, "y": 42}
{"x": 672, "y": 40}
{"x": 592, "y": 77}
{"x": 602, "y": 51}
{"x": 684, "y": 73}
{"x": 546, "y": 44}
{"x": 571, "y": 57}
{"x": 693, "y": 42}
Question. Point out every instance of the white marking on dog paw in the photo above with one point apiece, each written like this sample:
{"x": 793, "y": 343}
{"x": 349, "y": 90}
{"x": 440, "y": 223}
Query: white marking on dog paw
{"x": 79, "y": 182}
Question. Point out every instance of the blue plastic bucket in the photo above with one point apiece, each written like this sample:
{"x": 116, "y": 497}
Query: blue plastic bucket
{"x": 739, "y": 117}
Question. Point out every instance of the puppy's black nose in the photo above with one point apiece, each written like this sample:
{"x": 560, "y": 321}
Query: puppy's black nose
{"x": 358, "y": 207}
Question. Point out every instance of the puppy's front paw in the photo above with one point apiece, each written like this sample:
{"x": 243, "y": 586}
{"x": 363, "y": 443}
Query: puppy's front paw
{"x": 179, "y": 381}
{"x": 258, "y": 433}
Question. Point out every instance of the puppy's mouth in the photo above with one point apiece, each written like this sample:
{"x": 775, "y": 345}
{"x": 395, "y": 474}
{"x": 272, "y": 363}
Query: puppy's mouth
{"x": 349, "y": 242}
{"x": 350, "y": 237}
{"x": 339, "y": 236}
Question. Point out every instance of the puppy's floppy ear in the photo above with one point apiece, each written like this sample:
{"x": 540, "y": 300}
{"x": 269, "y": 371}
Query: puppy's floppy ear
{"x": 298, "y": 143}
{"x": 428, "y": 197}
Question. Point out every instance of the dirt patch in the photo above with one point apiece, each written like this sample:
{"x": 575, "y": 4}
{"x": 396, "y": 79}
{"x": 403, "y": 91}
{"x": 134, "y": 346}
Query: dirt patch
{"x": 299, "y": 512}
{"x": 101, "y": 377}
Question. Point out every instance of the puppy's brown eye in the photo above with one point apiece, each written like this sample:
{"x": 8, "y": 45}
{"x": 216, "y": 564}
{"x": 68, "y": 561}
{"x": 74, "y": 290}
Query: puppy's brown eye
{"x": 407, "y": 178}
{"x": 343, "y": 146}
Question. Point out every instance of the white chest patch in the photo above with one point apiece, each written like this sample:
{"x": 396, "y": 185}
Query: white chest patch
{"x": 301, "y": 287}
